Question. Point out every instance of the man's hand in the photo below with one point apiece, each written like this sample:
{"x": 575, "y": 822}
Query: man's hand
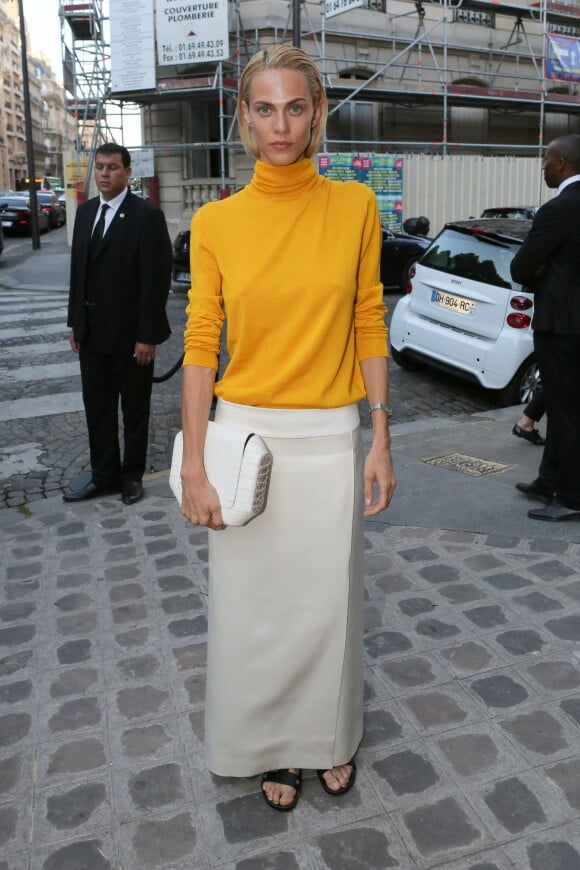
{"x": 73, "y": 342}
{"x": 144, "y": 354}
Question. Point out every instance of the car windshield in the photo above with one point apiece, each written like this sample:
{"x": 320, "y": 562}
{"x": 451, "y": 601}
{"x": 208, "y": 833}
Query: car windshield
{"x": 472, "y": 256}
{"x": 511, "y": 213}
{"x": 14, "y": 202}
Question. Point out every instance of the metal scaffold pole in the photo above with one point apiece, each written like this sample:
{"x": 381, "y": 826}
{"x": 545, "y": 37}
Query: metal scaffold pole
{"x": 222, "y": 126}
{"x": 296, "y": 25}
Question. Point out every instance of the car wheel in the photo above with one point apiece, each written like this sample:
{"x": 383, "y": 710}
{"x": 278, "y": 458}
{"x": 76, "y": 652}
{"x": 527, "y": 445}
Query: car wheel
{"x": 403, "y": 360}
{"x": 523, "y": 384}
{"x": 404, "y": 276}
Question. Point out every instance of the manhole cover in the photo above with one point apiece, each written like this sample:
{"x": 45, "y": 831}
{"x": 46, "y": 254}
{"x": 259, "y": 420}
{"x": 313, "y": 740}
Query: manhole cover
{"x": 466, "y": 464}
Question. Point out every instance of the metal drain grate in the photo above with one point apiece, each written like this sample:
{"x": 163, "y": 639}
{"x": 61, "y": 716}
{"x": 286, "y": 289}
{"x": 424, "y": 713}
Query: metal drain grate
{"x": 466, "y": 464}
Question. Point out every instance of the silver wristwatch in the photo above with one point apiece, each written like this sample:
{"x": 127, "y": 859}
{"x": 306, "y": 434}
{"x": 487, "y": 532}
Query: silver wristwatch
{"x": 380, "y": 406}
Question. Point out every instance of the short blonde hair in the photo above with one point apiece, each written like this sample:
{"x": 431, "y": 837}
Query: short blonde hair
{"x": 282, "y": 57}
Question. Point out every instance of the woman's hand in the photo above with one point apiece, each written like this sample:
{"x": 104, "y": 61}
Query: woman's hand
{"x": 379, "y": 479}
{"x": 379, "y": 475}
{"x": 200, "y": 503}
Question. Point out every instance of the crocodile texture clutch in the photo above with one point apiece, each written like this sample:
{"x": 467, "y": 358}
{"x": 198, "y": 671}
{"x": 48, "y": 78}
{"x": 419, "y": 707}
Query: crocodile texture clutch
{"x": 238, "y": 464}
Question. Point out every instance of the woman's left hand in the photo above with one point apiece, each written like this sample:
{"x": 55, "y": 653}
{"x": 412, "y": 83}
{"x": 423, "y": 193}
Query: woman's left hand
{"x": 380, "y": 481}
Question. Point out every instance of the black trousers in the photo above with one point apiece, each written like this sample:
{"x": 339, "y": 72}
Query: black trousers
{"x": 535, "y": 408}
{"x": 106, "y": 378}
{"x": 558, "y": 357}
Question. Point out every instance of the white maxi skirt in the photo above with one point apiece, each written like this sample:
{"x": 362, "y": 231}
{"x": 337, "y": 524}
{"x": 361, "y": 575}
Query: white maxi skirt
{"x": 285, "y": 665}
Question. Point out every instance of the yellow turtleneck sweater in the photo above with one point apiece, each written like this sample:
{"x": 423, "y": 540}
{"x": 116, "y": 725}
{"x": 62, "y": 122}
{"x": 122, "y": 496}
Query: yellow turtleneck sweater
{"x": 293, "y": 259}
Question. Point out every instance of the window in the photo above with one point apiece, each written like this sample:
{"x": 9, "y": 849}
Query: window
{"x": 358, "y": 121}
{"x": 471, "y": 256}
{"x": 202, "y": 125}
{"x": 358, "y": 74}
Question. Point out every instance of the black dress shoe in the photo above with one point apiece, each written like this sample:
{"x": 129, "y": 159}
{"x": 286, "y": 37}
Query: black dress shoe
{"x": 531, "y": 435}
{"x": 555, "y": 512}
{"x": 132, "y": 492}
{"x": 89, "y": 490}
{"x": 537, "y": 489}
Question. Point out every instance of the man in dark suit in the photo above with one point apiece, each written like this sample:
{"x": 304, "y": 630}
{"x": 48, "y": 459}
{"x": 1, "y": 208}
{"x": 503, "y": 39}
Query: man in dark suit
{"x": 119, "y": 282}
{"x": 548, "y": 264}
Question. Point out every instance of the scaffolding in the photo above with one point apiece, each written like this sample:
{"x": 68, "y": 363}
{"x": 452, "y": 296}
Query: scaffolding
{"x": 408, "y": 62}
{"x": 86, "y": 67}
{"x": 87, "y": 75}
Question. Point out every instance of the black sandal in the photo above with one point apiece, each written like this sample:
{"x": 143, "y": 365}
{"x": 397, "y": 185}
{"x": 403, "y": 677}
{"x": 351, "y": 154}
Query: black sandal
{"x": 282, "y": 777}
{"x": 338, "y": 791}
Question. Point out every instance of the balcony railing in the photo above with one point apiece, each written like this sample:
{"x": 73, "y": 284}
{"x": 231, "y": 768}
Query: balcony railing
{"x": 195, "y": 192}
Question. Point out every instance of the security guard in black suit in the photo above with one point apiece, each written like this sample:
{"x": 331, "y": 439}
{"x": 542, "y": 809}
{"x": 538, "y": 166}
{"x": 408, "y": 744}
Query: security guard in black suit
{"x": 548, "y": 264}
{"x": 119, "y": 282}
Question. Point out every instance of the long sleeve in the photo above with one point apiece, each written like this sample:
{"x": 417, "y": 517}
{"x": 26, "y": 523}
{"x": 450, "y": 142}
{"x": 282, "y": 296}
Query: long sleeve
{"x": 205, "y": 314}
{"x": 369, "y": 312}
{"x": 292, "y": 262}
{"x": 155, "y": 276}
{"x": 543, "y": 239}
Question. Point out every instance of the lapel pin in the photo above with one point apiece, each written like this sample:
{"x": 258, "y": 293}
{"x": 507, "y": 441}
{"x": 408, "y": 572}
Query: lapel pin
{"x": 122, "y": 215}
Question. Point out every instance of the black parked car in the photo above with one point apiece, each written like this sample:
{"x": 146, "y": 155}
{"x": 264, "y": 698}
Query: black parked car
{"x": 15, "y": 215}
{"x": 181, "y": 267}
{"x": 399, "y": 252}
{"x": 49, "y": 202}
{"x": 51, "y": 205}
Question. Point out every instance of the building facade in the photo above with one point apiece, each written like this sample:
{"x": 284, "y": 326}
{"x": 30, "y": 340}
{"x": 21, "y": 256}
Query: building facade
{"x": 442, "y": 79}
{"x": 53, "y": 128}
{"x": 405, "y": 76}
{"x": 12, "y": 136}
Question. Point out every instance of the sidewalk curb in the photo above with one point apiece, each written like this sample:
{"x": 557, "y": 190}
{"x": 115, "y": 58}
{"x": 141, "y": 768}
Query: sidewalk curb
{"x": 157, "y": 481}
{"x": 34, "y": 288}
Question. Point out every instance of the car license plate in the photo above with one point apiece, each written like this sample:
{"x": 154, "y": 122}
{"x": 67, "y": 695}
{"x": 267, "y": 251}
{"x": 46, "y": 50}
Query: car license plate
{"x": 7, "y": 224}
{"x": 453, "y": 303}
{"x": 183, "y": 276}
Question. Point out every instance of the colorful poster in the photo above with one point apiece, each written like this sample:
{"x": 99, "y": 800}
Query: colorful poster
{"x": 191, "y": 32}
{"x": 562, "y": 58}
{"x": 382, "y": 172}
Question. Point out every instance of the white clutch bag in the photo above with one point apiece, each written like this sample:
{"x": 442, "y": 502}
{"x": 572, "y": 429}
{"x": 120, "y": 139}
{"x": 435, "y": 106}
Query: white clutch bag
{"x": 238, "y": 464}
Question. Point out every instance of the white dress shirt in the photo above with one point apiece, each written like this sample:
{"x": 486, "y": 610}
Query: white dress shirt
{"x": 568, "y": 181}
{"x": 114, "y": 205}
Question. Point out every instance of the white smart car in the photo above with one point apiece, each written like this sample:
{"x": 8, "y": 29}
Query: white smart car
{"x": 463, "y": 313}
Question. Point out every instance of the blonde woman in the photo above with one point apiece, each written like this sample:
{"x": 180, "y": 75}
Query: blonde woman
{"x": 292, "y": 261}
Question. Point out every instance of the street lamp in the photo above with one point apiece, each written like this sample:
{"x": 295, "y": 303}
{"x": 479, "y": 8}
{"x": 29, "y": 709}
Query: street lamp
{"x": 29, "y": 141}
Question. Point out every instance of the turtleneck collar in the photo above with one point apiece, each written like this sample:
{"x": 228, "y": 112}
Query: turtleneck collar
{"x": 283, "y": 181}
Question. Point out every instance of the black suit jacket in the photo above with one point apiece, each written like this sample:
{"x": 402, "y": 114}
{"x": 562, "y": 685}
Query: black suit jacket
{"x": 128, "y": 280}
{"x": 554, "y": 246}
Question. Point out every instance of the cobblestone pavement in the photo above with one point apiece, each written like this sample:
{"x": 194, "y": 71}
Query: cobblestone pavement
{"x": 42, "y": 424}
{"x": 471, "y": 754}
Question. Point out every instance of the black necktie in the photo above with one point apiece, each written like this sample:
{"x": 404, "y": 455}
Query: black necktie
{"x": 99, "y": 231}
